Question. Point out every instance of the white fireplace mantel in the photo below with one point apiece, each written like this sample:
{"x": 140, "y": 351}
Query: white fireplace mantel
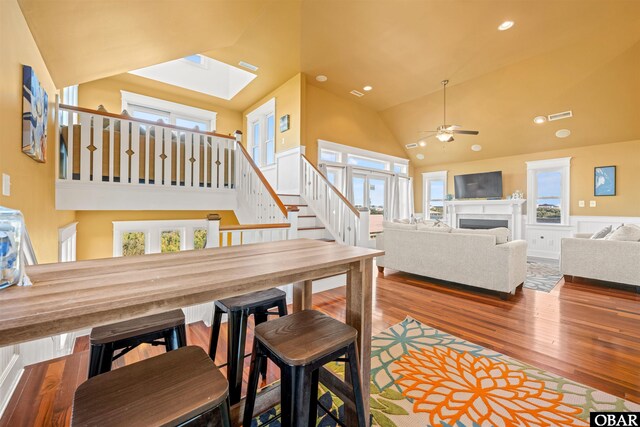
{"x": 511, "y": 210}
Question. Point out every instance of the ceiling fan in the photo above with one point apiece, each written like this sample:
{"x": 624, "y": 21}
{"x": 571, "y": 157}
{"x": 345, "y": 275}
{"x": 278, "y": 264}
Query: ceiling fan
{"x": 445, "y": 132}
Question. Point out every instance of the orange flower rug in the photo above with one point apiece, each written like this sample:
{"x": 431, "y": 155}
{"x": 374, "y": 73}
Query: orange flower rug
{"x": 424, "y": 377}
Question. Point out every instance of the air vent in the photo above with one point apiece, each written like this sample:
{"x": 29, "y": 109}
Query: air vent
{"x": 412, "y": 145}
{"x": 560, "y": 116}
{"x": 356, "y": 93}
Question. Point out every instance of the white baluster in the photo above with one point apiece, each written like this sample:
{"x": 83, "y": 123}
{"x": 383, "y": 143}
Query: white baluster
{"x": 157, "y": 160}
{"x": 70, "y": 146}
{"x": 196, "y": 156}
{"x": 112, "y": 132}
{"x": 135, "y": 156}
{"x": 97, "y": 153}
{"x": 168, "y": 149}
{"x": 85, "y": 142}
{"x": 124, "y": 146}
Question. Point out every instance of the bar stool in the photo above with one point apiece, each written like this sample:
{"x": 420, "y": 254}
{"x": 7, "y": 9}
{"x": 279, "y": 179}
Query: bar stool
{"x": 239, "y": 309}
{"x": 181, "y": 387}
{"x": 300, "y": 344}
{"x": 166, "y": 329}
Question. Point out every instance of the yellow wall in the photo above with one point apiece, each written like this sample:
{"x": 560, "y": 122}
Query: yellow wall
{"x": 95, "y": 229}
{"x": 337, "y": 119}
{"x": 107, "y": 92}
{"x": 32, "y": 183}
{"x": 624, "y": 155}
{"x": 289, "y": 100}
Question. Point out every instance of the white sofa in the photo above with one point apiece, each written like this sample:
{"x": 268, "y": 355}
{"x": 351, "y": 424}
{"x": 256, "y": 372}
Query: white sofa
{"x": 600, "y": 259}
{"x": 456, "y": 256}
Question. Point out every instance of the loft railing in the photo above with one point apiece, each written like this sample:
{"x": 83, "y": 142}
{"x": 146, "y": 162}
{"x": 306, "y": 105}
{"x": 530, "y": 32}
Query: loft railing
{"x": 344, "y": 221}
{"x": 102, "y": 147}
{"x": 117, "y": 152}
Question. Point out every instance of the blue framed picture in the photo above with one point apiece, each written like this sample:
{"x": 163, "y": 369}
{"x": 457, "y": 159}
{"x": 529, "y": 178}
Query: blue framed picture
{"x": 35, "y": 108}
{"x": 604, "y": 181}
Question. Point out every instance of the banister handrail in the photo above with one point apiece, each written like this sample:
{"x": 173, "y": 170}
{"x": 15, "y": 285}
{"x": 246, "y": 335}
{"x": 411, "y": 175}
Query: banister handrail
{"x": 146, "y": 122}
{"x": 242, "y": 227}
{"x": 271, "y": 191}
{"x": 335, "y": 190}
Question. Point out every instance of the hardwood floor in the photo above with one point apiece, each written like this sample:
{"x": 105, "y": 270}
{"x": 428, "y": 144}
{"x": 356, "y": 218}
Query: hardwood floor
{"x": 587, "y": 332}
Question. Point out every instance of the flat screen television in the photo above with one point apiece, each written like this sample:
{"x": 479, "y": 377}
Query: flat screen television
{"x": 487, "y": 185}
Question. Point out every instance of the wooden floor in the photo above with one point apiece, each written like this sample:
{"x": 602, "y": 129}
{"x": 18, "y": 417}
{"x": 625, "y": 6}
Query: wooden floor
{"x": 587, "y": 332}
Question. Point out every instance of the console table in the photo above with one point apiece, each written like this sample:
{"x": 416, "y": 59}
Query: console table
{"x": 76, "y": 295}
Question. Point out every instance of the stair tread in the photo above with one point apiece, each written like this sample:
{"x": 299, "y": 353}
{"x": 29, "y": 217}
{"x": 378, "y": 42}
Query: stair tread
{"x": 289, "y": 195}
{"x": 293, "y": 204}
{"x": 324, "y": 239}
{"x": 311, "y": 228}
{"x": 306, "y": 216}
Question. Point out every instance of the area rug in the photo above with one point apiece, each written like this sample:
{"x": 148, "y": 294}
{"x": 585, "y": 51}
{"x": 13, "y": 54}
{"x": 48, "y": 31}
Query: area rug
{"x": 424, "y": 377}
{"x": 542, "y": 276}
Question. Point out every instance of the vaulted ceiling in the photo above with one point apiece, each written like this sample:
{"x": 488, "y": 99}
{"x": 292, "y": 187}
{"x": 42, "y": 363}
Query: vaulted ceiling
{"x": 559, "y": 55}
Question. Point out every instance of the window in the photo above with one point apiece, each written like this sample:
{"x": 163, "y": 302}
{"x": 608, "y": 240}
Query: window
{"x": 262, "y": 134}
{"x": 154, "y": 109}
{"x": 548, "y": 190}
{"x": 368, "y": 163}
{"x": 170, "y": 241}
{"x": 199, "y": 238}
{"x": 330, "y": 156}
{"x": 133, "y": 243}
{"x": 400, "y": 169}
{"x": 434, "y": 192}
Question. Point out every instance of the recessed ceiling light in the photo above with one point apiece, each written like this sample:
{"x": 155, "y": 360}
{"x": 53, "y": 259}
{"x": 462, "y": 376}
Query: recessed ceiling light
{"x": 505, "y": 25}
{"x": 539, "y": 119}
{"x": 420, "y": 156}
{"x": 321, "y": 78}
{"x": 476, "y": 147}
{"x": 423, "y": 143}
{"x": 563, "y": 133}
{"x": 367, "y": 88}
{"x": 248, "y": 66}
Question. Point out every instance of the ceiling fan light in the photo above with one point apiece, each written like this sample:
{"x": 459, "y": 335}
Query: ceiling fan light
{"x": 444, "y": 137}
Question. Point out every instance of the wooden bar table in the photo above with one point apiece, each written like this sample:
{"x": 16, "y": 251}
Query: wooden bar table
{"x": 76, "y": 295}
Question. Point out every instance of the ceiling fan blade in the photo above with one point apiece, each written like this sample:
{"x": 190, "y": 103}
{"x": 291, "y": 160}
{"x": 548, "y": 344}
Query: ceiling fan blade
{"x": 427, "y": 131}
{"x": 453, "y": 127}
{"x": 465, "y": 132}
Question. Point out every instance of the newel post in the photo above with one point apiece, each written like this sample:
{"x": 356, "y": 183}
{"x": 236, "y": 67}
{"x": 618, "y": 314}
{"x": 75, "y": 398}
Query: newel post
{"x": 213, "y": 231}
{"x": 363, "y": 232}
{"x": 292, "y": 214}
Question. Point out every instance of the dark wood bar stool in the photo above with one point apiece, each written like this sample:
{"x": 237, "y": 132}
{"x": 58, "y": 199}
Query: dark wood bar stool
{"x": 300, "y": 344}
{"x": 166, "y": 329}
{"x": 238, "y": 310}
{"x": 181, "y": 387}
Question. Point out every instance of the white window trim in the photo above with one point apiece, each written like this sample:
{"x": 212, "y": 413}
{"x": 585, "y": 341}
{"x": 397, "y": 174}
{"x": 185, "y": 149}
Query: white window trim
{"x": 345, "y": 150}
{"x": 433, "y": 176}
{"x": 175, "y": 110}
{"x": 563, "y": 165}
{"x": 260, "y": 115}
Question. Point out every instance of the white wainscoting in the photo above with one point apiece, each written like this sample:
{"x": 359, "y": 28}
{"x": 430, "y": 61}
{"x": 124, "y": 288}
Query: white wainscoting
{"x": 591, "y": 224}
{"x": 284, "y": 174}
{"x": 11, "y": 368}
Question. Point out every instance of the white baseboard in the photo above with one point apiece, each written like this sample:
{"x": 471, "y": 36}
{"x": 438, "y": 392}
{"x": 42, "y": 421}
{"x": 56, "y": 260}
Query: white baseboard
{"x": 9, "y": 380}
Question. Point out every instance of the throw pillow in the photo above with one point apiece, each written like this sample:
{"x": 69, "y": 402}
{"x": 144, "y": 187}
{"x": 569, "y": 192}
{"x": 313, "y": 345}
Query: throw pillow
{"x": 437, "y": 226}
{"x": 613, "y": 230}
{"x": 402, "y": 221}
{"x": 602, "y": 233}
{"x": 626, "y": 233}
{"x": 503, "y": 235}
{"x": 389, "y": 225}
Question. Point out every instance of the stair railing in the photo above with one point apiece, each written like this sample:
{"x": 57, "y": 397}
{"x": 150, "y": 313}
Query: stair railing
{"x": 255, "y": 194}
{"x": 345, "y": 222}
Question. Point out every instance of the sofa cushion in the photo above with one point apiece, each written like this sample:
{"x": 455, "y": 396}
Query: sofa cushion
{"x": 389, "y": 225}
{"x": 626, "y": 233}
{"x": 437, "y": 226}
{"x": 503, "y": 235}
{"x": 602, "y": 233}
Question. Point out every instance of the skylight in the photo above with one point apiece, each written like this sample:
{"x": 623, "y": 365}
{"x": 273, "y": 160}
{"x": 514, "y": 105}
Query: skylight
{"x": 201, "y": 74}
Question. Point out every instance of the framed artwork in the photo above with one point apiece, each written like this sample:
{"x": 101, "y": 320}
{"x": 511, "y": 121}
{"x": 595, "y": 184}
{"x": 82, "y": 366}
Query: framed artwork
{"x": 604, "y": 181}
{"x": 284, "y": 123}
{"x": 35, "y": 109}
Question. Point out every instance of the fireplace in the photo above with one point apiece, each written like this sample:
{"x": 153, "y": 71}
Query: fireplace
{"x": 483, "y": 224}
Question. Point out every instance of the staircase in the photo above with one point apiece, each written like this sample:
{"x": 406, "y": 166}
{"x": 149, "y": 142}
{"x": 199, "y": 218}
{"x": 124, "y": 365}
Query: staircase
{"x": 309, "y": 226}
